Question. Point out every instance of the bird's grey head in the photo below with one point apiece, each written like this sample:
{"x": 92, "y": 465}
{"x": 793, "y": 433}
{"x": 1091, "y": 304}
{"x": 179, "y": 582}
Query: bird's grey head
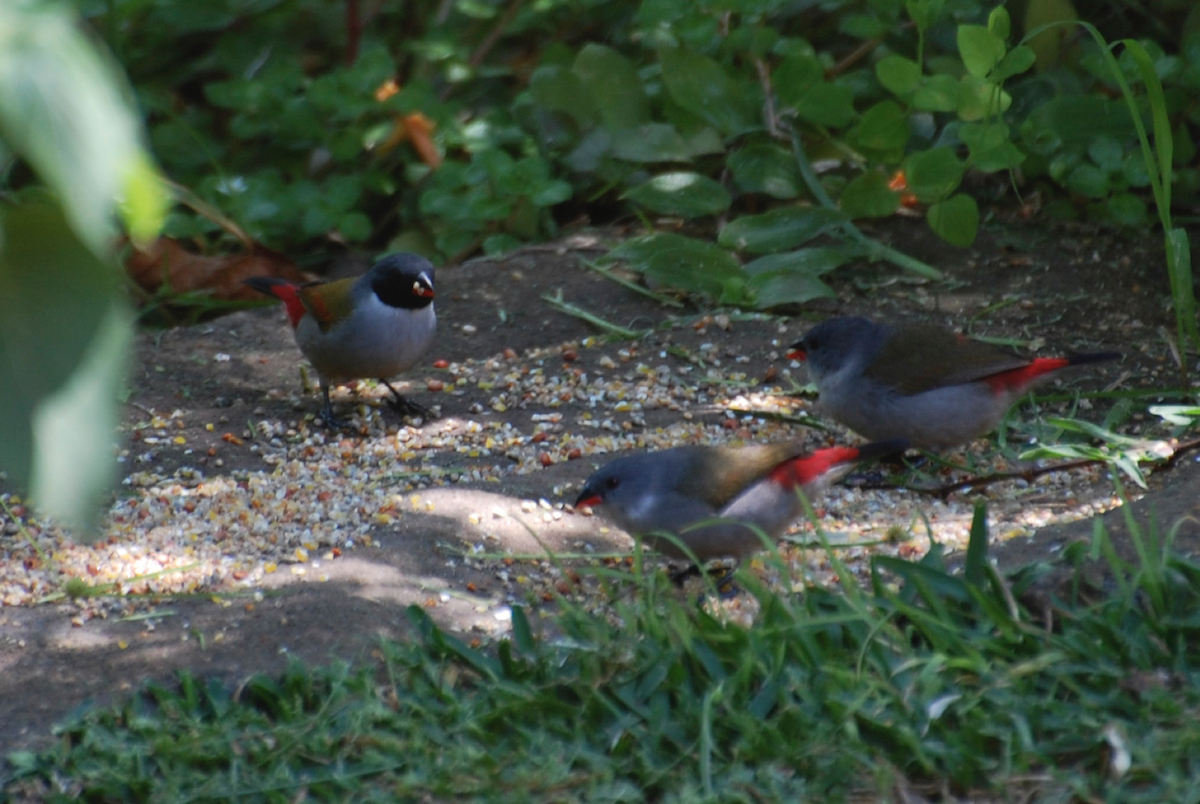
{"x": 624, "y": 484}
{"x": 402, "y": 280}
{"x": 836, "y": 342}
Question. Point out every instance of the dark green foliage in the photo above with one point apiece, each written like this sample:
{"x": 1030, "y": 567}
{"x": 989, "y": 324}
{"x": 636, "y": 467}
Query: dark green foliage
{"x": 269, "y": 110}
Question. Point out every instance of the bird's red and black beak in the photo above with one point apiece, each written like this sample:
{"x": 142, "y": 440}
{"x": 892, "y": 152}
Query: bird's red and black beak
{"x": 797, "y": 351}
{"x": 422, "y": 287}
{"x": 589, "y": 496}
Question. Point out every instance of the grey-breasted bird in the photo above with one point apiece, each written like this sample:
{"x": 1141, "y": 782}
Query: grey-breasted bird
{"x": 936, "y": 388}
{"x": 375, "y": 325}
{"x": 714, "y": 498}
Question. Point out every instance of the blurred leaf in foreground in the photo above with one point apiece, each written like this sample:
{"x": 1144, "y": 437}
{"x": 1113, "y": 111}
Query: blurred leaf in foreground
{"x": 64, "y": 332}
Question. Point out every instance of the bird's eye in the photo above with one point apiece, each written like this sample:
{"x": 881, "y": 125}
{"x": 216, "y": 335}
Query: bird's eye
{"x": 613, "y": 482}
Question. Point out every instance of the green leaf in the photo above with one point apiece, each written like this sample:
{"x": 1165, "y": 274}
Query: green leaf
{"x": 937, "y": 93}
{"x": 653, "y": 142}
{"x": 144, "y": 200}
{"x": 612, "y": 83}
{"x": 933, "y": 175}
{"x": 555, "y": 87}
{"x": 869, "y": 196}
{"x": 775, "y": 288}
{"x": 924, "y": 12}
{"x": 1089, "y": 181}
{"x": 956, "y": 220}
{"x": 779, "y": 229}
{"x": 1015, "y": 62}
{"x": 981, "y": 49}
{"x": 65, "y": 108}
{"x": 815, "y": 261}
{"x": 766, "y": 169}
{"x": 979, "y": 99}
{"x": 355, "y": 227}
{"x": 1127, "y": 209}
{"x": 549, "y": 193}
{"x": 688, "y": 195}
{"x": 64, "y": 333}
{"x": 794, "y": 77}
{"x": 882, "y": 127}
{"x": 990, "y": 147}
{"x": 999, "y": 23}
{"x": 680, "y": 262}
{"x": 827, "y": 105}
{"x": 898, "y": 75}
{"x": 1107, "y": 153}
{"x": 702, "y": 87}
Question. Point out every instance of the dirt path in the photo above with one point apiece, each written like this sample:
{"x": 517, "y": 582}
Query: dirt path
{"x": 293, "y": 542}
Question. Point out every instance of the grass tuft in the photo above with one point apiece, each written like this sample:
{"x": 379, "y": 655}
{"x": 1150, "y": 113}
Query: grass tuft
{"x": 917, "y": 679}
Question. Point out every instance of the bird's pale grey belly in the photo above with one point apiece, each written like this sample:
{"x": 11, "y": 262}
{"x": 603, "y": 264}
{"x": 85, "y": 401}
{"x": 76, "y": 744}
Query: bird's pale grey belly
{"x": 380, "y": 342}
{"x": 937, "y": 419}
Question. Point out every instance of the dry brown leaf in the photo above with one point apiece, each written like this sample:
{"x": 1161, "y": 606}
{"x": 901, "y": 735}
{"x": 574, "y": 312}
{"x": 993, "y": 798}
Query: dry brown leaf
{"x": 166, "y": 262}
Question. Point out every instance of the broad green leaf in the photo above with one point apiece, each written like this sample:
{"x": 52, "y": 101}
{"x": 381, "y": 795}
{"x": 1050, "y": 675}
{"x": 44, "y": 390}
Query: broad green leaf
{"x": 144, "y": 200}
{"x": 999, "y": 23}
{"x": 815, "y": 261}
{"x": 981, "y": 49}
{"x": 65, "y": 108}
{"x": 990, "y": 147}
{"x": 1127, "y": 209}
{"x": 64, "y": 332}
{"x": 562, "y": 90}
{"x": 766, "y": 169}
{"x": 794, "y": 77}
{"x": 355, "y": 227}
{"x": 882, "y": 127}
{"x": 898, "y": 75}
{"x": 1006, "y": 156}
{"x": 680, "y": 262}
{"x": 779, "y": 229}
{"x": 933, "y": 175}
{"x": 827, "y": 105}
{"x": 1089, "y": 181}
{"x": 652, "y": 142}
{"x": 1107, "y": 153}
{"x": 1015, "y": 62}
{"x": 956, "y": 220}
{"x": 979, "y": 99}
{"x": 775, "y": 288}
{"x": 983, "y": 136}
{"x": 688, "y": 195}
{"x": 613, "y": 84}
{"x": 937, "y": 93}
{"x": 551, "y": 192}
{"x": 869, "y": 196}
{"x": 701, "y": 86}
{"x": 924, "y": 12}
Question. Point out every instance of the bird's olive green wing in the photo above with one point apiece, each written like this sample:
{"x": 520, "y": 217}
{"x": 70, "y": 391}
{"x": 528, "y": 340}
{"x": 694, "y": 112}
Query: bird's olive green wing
{"x": 721, "y": 473}
{"x": 921, "y": 357}
{"x": 327, "y": 302}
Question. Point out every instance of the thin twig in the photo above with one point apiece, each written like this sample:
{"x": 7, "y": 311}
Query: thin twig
{"x": 1026, "y": 475}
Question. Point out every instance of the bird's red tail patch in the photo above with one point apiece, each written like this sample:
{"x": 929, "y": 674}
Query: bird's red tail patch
{"x": 285, "y": 291}
{"x": 805, "y": 469}
{"x": 1020, "y": 379}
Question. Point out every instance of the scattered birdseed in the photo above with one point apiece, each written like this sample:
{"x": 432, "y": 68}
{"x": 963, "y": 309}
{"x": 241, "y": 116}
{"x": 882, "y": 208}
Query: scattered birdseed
{"x": 320, "y": 495}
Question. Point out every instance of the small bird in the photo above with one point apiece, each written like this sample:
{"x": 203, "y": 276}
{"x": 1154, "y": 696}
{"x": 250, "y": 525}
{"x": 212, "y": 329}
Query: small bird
{"x": 718, "y": 501}
{"x": 922, "y": 382}
{"x": 375, "y": 325}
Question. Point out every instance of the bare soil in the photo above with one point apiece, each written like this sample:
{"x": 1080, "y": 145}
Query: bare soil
{"x": 1075, "y": 288}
